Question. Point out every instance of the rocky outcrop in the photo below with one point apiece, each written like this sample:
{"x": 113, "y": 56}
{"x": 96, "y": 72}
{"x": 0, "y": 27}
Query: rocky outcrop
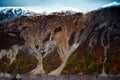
{"x": 64, "y": 44}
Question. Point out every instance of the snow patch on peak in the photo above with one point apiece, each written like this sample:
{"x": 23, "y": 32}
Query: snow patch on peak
{"x": 52, "y": 10}
{"x": 10, "y": 13}
{"x": 15, "y": 10}
{"x": 66, "y": 10}
{"x": 69, "y": 9}
{"x": 111, "y": 4}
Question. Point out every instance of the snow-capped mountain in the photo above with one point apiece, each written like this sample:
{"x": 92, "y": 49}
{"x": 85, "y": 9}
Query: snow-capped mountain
{"x": 10, "y": 13}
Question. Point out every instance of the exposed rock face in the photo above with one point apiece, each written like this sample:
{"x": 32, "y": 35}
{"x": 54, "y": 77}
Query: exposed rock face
{"x": 68, "y": 44}
{"x": 96, "y": 50}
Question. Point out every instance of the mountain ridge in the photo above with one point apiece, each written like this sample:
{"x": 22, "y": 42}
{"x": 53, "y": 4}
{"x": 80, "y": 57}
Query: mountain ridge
{"x": 10, "y": 13}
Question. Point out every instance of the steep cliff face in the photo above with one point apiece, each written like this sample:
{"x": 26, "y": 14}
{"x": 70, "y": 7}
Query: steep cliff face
{"x": 63, "y": 44}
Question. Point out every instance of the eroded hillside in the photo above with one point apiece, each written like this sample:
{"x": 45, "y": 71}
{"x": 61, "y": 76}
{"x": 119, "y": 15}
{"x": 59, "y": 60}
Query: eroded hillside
{"x": 62, "y": 44}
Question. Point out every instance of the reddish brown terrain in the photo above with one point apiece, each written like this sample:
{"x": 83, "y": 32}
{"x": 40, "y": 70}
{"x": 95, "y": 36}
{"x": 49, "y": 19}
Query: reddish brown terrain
{"x": 54, "y": 44}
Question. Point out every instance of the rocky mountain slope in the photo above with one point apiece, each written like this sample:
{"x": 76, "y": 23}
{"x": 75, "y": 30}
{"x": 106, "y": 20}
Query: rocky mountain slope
{"x": 54, "y": 44}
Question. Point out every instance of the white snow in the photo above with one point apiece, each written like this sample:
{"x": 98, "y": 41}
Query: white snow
{"x": 64, "y": 9}
{"x": 48, "y": 11}
{"x": 24, "y": 10}
{"x": 41, "y": 10}
{"x": 111, "y": 4}
{"x": 12, "y": 13}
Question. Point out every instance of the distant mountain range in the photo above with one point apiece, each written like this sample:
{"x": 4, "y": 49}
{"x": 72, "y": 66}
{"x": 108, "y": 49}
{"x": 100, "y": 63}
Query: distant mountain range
{"x": 10, "y": 13}
{"x": 7, "y": 13}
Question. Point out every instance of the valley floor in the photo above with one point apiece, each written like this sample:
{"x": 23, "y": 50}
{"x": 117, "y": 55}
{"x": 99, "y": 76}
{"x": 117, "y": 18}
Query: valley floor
{"x": 63, "y": 77}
